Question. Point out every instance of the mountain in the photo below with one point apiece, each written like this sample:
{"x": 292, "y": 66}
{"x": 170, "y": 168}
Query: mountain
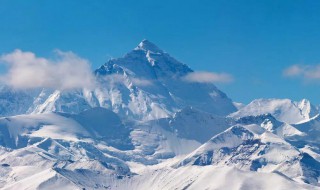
{"x": 39, "y": 151}
{"x": 145, "y": 84}
{"x": 271, "y": 124}
{"x": 144, "y": 126}
{"x": 96, "y": 149}
{"x": 283, "y": 109}
{"x": 155, "y": 86}
{"x": 71, "y": 149}
{"x": 251, "y": 148}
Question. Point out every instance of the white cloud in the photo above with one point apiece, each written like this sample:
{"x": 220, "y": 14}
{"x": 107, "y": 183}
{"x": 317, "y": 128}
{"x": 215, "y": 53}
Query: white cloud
{"x": 141, "y": 82}
{"x": 208, "y": 77}
{"x": 115, "y": 79}
{"x": 304, "y": 71}
{"x": 67, "y": 71}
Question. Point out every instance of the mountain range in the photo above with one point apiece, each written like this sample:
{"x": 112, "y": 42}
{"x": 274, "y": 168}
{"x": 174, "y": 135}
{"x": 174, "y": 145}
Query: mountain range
{"x": 144, "y": 125}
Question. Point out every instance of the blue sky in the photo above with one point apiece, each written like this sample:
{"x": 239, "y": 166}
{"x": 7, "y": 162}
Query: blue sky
{"x": 254, "y": 41}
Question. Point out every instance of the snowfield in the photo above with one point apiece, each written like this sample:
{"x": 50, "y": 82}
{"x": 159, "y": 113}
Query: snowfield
{"x": 145, "y": 127}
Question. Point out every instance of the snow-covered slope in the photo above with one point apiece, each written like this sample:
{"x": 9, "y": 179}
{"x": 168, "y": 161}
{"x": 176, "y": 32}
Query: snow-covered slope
{"x": 283, "y": 109}
{"x": 303, "y": 136}
{"x": 311, "y": 137}
{"x": 13, "y": 101}
{"x": 95, "y": 149}
{"x": 72, "y": 149}
{"x": 207, "y": 177}
{"x": 252, "y": 148}
{"x": 191, "y": 123}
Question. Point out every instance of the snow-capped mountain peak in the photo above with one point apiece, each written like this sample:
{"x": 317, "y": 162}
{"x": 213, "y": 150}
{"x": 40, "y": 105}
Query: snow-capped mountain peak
{"x": 147, "y": 61}
{"x": 146, "y": 45}
{"x": 284, "y": 110}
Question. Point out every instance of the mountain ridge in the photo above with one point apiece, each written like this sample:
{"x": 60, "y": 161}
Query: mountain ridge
{"x": 143, "y": 126}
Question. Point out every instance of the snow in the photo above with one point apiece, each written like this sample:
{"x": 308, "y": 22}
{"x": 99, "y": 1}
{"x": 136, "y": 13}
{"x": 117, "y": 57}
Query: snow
{"x": 147, "y": 83}
{"x": 77, "y": 149}
{"x": 191, "y": 123}
{"x": 32, "y": 125}
{"x": 46, "y": 179}
{"x": 282, "y": 109}
{"x": 207, "y": 177}
{"x": 144, "y": 127}
{"x": 251, "y": 148}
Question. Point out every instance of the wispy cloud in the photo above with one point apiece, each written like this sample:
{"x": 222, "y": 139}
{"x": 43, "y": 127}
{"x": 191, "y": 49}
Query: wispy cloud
{"x": 208, "y": 77}
{"x": 141, "y": 82}
{"x": 66, "y": 71}
{"x": 309, "y": 72}
{"x": 121, "y": 79}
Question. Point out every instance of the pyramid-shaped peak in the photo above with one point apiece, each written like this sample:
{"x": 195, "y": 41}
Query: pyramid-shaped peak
{"x": 146, "y": 45}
